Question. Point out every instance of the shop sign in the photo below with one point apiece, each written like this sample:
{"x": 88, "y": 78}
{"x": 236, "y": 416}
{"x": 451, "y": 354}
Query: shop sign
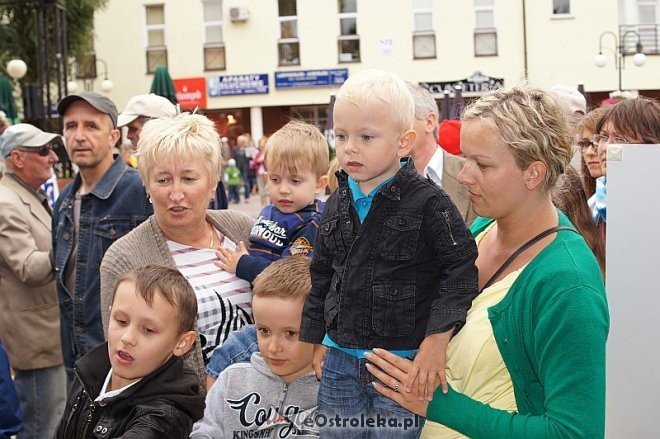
{"x": 230, "y": 85}
{"x": 190, "y": 93}
{"x": 311, "y": 78}
{"x": 477, "y": 83}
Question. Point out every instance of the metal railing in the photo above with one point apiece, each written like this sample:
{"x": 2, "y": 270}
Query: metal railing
{"x": 649, "y": 36}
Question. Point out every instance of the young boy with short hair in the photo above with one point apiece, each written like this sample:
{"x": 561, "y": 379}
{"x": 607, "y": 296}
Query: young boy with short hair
{"x": 277, "y": 388}
{"x": 297, "y": 161}
{"x": 135, "y": 384}
{"x": 394, "y": 262}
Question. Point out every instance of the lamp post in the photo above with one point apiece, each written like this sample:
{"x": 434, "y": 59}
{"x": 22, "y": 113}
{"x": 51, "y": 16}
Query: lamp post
{"x": 639, "y": 59}
{"x": 86, "y": 70}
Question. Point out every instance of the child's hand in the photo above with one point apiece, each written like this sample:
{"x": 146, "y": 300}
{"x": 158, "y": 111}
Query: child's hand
{"x": 429, "y": 364}
{"x": 228, "y": 259}
{"x": 317, "y": 359}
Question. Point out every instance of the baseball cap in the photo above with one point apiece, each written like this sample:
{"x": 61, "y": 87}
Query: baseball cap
{"x": 149, "y": 105}
{"x": 25, "y": 135}
{"x": 98, "y": 101}
{"x": 571, "y": 100}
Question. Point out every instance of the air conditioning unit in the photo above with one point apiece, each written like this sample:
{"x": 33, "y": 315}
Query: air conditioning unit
{"x": 240, "y": 13}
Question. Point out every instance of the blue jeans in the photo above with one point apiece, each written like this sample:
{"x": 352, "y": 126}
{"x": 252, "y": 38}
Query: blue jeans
{"x": 42, "y": 394}
{"x": 350, "y": 407}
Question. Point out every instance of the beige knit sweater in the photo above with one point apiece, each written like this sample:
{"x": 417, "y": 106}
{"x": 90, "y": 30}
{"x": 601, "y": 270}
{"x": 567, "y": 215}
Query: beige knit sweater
{"x": 146, "y": 245}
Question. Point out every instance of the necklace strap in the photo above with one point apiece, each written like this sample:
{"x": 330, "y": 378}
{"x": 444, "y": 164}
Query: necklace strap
{"x": 521, "y": 249}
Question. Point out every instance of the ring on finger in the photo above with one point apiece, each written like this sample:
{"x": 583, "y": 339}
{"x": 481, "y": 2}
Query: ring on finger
{"x": 396, "y": 386}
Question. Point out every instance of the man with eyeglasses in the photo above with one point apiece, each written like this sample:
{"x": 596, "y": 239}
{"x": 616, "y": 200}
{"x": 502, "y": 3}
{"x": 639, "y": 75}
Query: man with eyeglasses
{"x": 29, "y": 314}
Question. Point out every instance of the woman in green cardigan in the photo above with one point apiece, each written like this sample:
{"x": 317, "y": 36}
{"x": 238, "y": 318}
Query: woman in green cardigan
{"x": 530, "y": 360}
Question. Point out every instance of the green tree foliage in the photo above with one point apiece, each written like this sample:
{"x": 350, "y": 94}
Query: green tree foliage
{"x": 18, "y": 34}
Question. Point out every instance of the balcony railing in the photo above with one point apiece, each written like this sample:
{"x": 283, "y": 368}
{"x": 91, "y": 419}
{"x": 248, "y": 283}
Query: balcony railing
{"x": 649, "y": 35}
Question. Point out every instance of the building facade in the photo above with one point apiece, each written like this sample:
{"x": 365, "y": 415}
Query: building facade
{"x": 250, "y": 65}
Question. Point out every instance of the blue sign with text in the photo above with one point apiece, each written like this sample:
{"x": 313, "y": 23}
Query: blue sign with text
{"x": 311, "y": 78}
{"x": 230, "y": 85}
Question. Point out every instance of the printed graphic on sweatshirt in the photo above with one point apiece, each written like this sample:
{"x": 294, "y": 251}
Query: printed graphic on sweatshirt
{"x": 261, "y": 422}
{"x": 269, "y": 231}
{"x": 301, "y": 246}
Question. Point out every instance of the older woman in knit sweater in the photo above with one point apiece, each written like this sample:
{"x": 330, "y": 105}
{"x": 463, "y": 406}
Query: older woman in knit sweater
{"x": 180, "y": 163}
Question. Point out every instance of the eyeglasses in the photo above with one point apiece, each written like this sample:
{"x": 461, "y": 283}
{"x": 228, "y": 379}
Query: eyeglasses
{"x": 585, "y": 144}
{"x": 42, "y": 150}
{"x": 616, "y": 140}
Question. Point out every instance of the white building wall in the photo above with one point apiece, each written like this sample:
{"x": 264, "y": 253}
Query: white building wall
{"x": 558, "y": 50}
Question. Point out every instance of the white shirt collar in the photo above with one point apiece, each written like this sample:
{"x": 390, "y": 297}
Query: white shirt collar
{"x": 105, "y": 394}
{"x": 434, "y": 168}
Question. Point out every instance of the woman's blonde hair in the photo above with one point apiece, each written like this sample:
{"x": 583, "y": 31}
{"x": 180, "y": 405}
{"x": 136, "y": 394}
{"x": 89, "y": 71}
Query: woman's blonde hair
{"x": 532, "y": 124}
{"x": 378, "y": 87}
{"x": 183, "y": 137}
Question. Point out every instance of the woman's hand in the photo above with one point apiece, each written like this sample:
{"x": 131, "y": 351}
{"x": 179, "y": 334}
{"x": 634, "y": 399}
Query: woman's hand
{"x": 393, "y": 370}
{"x": 317, "y": 360}
{"x": 228, "y": 259}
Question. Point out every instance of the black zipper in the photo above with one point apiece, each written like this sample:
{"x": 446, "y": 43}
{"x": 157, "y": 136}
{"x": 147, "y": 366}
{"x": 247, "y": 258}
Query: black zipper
{"x": 451, "y": 235}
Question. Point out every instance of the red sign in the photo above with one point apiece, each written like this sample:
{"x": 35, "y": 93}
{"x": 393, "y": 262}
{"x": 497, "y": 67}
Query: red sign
{"x": 191, "y": 93}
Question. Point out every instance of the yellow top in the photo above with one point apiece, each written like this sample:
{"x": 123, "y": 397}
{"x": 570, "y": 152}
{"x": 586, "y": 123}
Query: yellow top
{"x": 474, "y": 364}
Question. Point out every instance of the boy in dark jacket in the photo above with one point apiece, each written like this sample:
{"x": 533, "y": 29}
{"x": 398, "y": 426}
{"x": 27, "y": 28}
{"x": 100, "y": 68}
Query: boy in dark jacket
{"x": 135, "y": 384}
{"x": 393, "y": 263}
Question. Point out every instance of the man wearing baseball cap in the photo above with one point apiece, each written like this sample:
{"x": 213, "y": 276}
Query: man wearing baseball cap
{"x": 105, "y": 201}
{"x": 29, "y": 314}
{"x": 142, "y": 108}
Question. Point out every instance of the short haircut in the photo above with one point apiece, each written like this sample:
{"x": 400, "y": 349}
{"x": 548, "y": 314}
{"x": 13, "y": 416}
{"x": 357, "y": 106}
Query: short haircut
{"x": 182, "y": 137}
{"x": 171, "y": 285}
{"x": 424, "y": 104}
{"x": 286, "y": 278}
{"x": 637, "y": 118}
{"x": 298, "y": 146}
{"x": 532, "y": 124}
{"x": 590, "y": 121}
{"x": 378, "y": 87}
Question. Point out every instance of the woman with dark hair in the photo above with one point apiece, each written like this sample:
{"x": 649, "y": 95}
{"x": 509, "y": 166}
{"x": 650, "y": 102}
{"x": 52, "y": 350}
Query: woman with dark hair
{"x": 590, "y": 164}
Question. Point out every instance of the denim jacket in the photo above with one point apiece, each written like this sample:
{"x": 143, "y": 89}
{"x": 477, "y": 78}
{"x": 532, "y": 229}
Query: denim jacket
{"x": 406, "y": 272}
{"x": 116, "y": 205}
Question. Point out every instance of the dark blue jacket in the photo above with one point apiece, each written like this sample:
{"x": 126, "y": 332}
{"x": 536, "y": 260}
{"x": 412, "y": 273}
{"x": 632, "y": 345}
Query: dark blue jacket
{"x": 11, "y": 417}
{"x": 114, "y": 207}
{"x": 276, "y": 235}
{"x": 406, "y": 272}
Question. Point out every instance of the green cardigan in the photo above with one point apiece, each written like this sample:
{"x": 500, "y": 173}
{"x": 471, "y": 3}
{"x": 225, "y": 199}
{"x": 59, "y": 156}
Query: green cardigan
{"x": 551, "y": 329}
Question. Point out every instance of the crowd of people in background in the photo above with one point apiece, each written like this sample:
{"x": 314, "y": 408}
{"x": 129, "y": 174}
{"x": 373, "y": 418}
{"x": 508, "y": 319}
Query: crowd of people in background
{"x": 447, "y": 276}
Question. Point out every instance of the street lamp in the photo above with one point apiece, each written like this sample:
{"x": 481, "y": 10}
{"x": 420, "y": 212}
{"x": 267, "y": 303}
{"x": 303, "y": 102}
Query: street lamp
{"x": 639, "y": 59}
{"x": 16, "y": 68}
{"x": 86, "y": 70}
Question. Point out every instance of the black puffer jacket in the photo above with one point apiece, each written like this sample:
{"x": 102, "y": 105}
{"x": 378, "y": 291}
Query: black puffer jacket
{"x": 164, "y": 404}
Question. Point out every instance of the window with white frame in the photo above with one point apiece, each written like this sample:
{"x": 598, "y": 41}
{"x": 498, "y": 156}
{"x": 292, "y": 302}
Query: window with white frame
{"x": 288, "y": 44}
{"x": 214, "y": 44}
{"x": 485, "y": 33}
{"x": 156, "y": 48}
{"x": 314, "y": 114}
{"x": 348, "y": 41}
{"x": 562, "y": 7}
{"x": 423, "y": 30}
{"x": 647, "y": 12}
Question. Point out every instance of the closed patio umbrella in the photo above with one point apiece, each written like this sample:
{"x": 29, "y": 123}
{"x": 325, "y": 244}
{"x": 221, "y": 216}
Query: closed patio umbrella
{"x": 7, "y": 103}
{"x": 446, "y": 106}
{"x": 162, "y": 85}
{"x": 457, "y": 108}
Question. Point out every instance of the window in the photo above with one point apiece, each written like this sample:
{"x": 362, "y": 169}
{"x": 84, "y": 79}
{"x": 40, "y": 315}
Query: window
{"x": 348, "y": 41}
{"x": 485, "y": 33}
{"x": 214, "y": 45}
{"x": 423, "y": 32}
{"x": 313, "y": 114}
{"x": 156, "y": 49}
{"x": 561, "y": 7}
{"x": 288, "y": 45}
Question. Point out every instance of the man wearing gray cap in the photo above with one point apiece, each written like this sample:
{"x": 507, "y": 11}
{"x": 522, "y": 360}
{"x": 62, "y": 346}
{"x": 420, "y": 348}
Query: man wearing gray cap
{"x": 105, "y": 201}
{"x": 29, "y": 315}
